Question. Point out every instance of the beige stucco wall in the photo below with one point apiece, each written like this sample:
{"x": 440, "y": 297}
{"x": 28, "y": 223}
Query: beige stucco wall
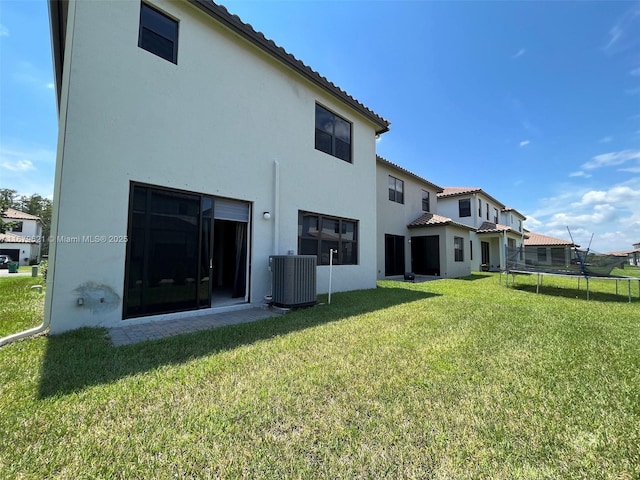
{"x": 394, "y": 217}
{"x": 215, "y": 123}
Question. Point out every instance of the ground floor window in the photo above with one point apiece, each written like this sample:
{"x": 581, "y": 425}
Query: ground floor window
{"x": 393, "y": 255}
{"x": 183, "y": 250}
{"x": 318, "y": 234}
{"x": 458, "y": 249}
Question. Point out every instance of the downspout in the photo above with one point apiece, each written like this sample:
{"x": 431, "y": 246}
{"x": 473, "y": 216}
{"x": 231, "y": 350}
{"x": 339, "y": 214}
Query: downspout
{"x": 276, "y": 207}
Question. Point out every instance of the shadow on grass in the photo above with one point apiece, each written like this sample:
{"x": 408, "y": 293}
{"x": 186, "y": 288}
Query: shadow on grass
{"x": 475, "y": 276}
{"x": 622, "y": 297}
{"x": 85, "y": 357}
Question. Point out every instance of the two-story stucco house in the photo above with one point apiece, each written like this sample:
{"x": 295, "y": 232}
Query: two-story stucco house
{"x": 494, "y": 225}
{"x": 191, "y": 148}
{"x": 22, "y": 241}
{"x": 412, "y": 237}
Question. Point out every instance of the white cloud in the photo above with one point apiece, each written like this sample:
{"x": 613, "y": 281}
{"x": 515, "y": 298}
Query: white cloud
{"x": 519, "y": 53}
{"x": 635, "y": 72}
{"x": 606, "y": 139}
{"x": 623, "y": 35}
{"x": 612, "y": 158}
{"x": 610, "y": 214}
{"x": 4, "y": 31}
{"x": 524, "y": 143}
{"x": 19, "y": 166}
{"x": 580, "y": 173}
{"x": 50, "y": 86}
{"x": 27, "y": 168}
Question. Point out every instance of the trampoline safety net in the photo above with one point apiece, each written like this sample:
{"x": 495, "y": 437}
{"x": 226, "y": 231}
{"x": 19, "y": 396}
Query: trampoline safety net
{"x": 561, "y": 260}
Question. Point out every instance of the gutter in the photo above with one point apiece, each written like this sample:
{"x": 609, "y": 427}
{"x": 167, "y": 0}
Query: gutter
{"x": 26, "y": 333}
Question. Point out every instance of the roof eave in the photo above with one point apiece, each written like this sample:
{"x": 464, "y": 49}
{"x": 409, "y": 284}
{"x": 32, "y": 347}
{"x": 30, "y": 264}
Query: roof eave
{"x": 246, "y": 31}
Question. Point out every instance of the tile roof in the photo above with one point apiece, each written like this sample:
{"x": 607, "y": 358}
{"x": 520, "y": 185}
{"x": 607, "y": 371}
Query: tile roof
{"x": 451, "y": 191}
{"x": 18, "y": 215}
{"x": 245, "y": 30}
{"x": 12, "y": 238}
{"x": 511, "y": 209}
{"x": 544, "y": 240}
{"x": 490, "y": 227}
{"x": 432, "y": 220}
{"x": 624, "y": 252}
{"x": 457, "y": 191}
{"x": 384, "y": 161}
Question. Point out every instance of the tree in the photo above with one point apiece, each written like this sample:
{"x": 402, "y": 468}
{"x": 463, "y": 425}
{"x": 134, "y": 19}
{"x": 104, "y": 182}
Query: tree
{"x": 40, "y": 207}
{"x": 7, "y": 200}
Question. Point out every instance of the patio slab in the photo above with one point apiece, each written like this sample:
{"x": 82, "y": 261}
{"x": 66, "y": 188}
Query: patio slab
{"x": 130, "y": 334}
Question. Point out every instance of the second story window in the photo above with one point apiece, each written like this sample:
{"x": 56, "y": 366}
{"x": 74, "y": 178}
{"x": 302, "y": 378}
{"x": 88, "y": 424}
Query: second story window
{"x": 333, "y": 134}
{"x": 479, "y": 208}
{"x": 464, "y": 207}
{"x": 17, "y": 227}
{"x": 425, "y": 201}
{"x": 396, "y": 190}
{"x": 158, "y": 33}
{"x": 495, "y": 216}
{"x": 487, "y": 211}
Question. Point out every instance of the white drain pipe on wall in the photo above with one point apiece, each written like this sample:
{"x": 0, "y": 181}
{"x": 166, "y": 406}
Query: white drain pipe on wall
{"x": 276, "y": 207}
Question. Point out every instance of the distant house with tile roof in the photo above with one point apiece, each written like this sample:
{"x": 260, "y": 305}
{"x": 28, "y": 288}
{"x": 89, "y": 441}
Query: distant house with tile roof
{"x": 412, "y": 237}
{"x": 493, "y": 224}
{"x": 545, "y": 250}
{"x": 23, "y": 239}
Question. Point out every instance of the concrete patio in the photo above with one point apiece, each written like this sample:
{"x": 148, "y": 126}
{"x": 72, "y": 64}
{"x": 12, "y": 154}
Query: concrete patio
{"x": 130, "y": 334}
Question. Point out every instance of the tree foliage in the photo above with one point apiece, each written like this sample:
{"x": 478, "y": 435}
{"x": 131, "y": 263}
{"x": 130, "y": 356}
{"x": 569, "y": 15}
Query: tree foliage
{"x": 34, "y": 205}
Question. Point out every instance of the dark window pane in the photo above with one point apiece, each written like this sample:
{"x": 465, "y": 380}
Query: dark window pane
{"x": 324, "y": 252}
{"x": 342, "y": 130}
{"x": 154, "y": 43}
{"x": 158, "y": 22}
{"x": 323, "y": 141}
{"x": 324, "y": 120}
{"x": 158, "y": 34}
{"x": 308, "y": 247}
{"x": 465, "y": 207}
{"x": 349, "y": 253}
{"x": 343, "y": 150}
{"x": 330, "y": 228}
{"x": 348, "y": 230}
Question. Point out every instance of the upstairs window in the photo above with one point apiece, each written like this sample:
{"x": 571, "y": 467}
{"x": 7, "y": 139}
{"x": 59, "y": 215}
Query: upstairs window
{"x": 158, "y": 33}
{"x": 487, "y": 211}
{"x": 495, "y": 216}
{"x": 479, "y": 208}
{"x": 17, "y": 227}
{"x": 396, "y": 190}
{"x": 464, "y": 207}
{"x": 333, "y": 134}
{"x": 425, "y": 201}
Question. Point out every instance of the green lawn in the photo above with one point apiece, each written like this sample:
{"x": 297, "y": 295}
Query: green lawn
{"x": 20, "y": 307}
{"x": 446, "y": 379}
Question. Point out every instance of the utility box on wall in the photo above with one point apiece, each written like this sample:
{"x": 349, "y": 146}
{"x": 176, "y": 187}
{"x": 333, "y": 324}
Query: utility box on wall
{"x": 294, "y": 280}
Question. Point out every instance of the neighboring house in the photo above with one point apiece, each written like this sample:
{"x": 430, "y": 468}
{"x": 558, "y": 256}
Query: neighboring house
{"x": 494, "y": 225}
{"x": 630, "y": 256}
{"x": 411, "y": 236}
{"x": 22, "y": 241}
{"x": 191, "y": 148}
{"x": 546, "y": 251}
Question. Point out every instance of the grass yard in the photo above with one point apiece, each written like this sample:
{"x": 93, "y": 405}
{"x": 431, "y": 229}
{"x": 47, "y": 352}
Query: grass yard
{"x": 448, "y": 379}
{"x": 20, "y": 307}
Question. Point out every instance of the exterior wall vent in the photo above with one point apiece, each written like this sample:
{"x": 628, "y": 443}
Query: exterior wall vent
{"x": 293, "y": 279}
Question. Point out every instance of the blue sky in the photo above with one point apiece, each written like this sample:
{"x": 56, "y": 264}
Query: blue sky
{"x": 538, "y": 103}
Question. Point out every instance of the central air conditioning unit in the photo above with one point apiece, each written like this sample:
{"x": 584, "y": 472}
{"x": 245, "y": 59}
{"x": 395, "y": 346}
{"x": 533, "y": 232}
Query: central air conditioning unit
{"x": 293, "y": 278}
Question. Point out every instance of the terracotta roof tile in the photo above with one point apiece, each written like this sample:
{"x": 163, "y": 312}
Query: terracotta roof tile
{"x": 544, "y": 240}
{"x": 452, "y": 191}
{"x": 384, "y": 161}
{"x": 18, "y": 215}
{"x": 245, "y": 30}
{"x": 431, "y": 220}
